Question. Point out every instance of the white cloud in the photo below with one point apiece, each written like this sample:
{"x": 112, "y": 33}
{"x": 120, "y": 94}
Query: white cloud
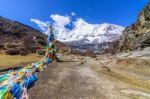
{"x": 80, "y": 28}
{"x": 73, "y": 14}
{"x": 60, "y": 21}
{"x": 42, "y": 25}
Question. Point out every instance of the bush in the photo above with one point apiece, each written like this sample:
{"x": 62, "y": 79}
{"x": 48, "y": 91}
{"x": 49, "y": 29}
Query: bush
{"x": 12, "y": 52}
{"x": 88, "y": 53}
{"x": 31, "y": 49}
{"x": 23, "y": 51}
{"x": 1, "y": 46}
{"x": 42, "y": 42}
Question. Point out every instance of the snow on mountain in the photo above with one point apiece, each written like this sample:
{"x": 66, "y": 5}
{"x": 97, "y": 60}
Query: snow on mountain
{"x": 83, "y": 34}
{"x": 89, "y": 33}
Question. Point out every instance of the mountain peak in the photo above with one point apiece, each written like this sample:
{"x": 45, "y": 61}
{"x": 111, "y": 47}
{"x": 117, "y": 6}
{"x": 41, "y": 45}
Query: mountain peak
{"x": 83, "y": 30}
{"x": 80, "y": 22}
{"x": 84, "y": 34}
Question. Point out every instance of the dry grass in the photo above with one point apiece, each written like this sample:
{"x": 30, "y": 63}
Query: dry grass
{"x": 135, "y": 82}
{"x": 131, "y": 80}
{"x": 7, "y": 60}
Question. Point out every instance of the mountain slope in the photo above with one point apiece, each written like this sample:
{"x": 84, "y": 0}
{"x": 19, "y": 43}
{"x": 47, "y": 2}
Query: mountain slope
{"x": 89, "y": 36}
{"x": 13, "y": 31}
{"x": 84, "y": 30}
{"x": 138, "y": 34}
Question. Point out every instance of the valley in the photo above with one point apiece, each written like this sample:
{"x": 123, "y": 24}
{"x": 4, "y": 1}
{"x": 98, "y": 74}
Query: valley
{"x": 123, "y": 76}
{"x": 97, "y": 61}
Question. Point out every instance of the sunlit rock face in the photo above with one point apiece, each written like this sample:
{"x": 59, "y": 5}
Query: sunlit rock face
{"x": 138, "y": 34}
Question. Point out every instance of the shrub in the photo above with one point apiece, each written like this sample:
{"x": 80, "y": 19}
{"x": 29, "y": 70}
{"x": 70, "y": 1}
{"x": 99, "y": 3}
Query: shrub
{"x": 1, "y": 46}
{"x": 83, "y": 53}
{"x": 31, "y": 49}
{"x": 12, "y": 52}
{"x": 23, "y": 51}
{"x": 42, "y": 42}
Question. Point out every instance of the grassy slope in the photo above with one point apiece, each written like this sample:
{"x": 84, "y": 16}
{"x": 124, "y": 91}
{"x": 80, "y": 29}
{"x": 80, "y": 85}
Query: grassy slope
{"x": 7, "y": 60}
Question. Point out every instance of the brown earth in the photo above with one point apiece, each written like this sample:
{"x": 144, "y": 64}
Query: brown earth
{"x": 104, "y": 77}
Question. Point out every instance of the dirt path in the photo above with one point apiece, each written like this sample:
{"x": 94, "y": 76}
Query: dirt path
{"x": 65, "y": 81}
{"x": 77, "y": 79}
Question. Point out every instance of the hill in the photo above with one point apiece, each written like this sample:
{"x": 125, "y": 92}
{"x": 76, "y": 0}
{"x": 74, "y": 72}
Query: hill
{"x": 16, "y": 32}
{"x": 17, "y": 38}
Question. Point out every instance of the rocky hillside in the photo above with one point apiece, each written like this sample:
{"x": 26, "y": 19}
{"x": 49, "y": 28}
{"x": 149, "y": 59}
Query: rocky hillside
{"x": 15, "y": 32}
{"x": 17, "y": 38}
{"x": 138, "y": 34}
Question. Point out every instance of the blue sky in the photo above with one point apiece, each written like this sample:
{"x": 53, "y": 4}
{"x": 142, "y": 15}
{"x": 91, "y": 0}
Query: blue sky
{"x": 120, "y": 12}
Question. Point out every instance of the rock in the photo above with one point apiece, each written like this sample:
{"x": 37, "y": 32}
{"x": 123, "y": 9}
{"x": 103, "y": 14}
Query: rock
{"x": 138, "y": 34}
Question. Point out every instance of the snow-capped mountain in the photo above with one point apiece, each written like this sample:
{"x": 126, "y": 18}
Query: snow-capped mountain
{"x": 85, "y": 35}
{"x": 91, "y": 32}
{"x": 81, "y": 34}
{"x": 88, "y": 36}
